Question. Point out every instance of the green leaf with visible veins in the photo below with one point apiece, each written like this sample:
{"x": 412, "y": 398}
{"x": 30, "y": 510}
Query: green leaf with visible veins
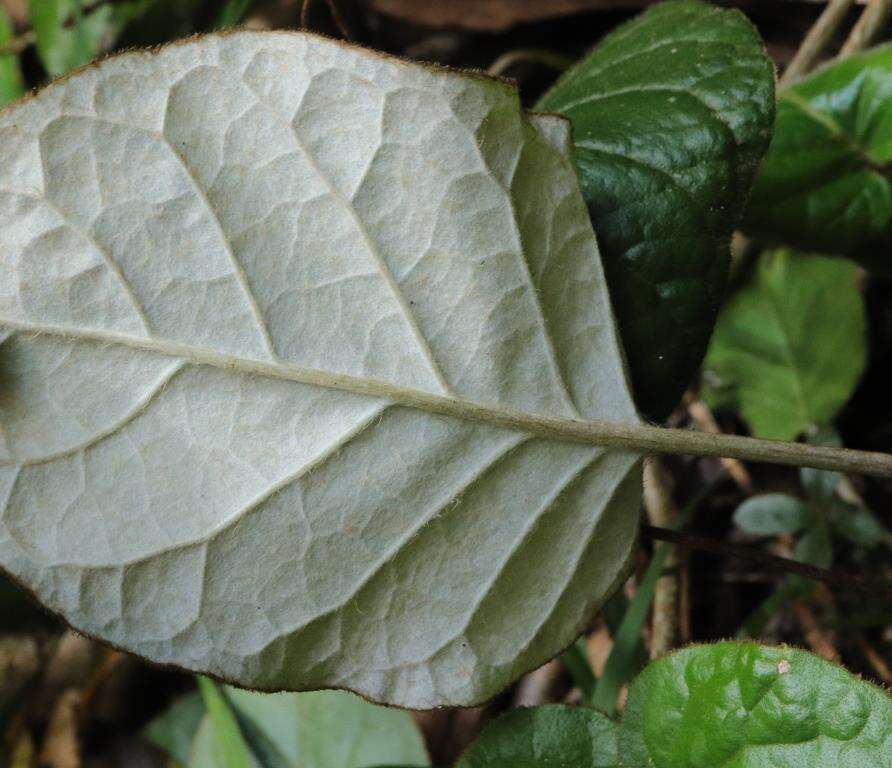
{"x": 550, "y": 736}
{"x": 790, "y": 347}
{"x": 826, "y": 183}
{"x": 740, "y": 705}
{"x": 671, "y": 114}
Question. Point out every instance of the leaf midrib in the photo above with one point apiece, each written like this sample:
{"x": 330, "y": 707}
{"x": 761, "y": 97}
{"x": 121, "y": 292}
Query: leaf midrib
{"x": 562, "y": 428}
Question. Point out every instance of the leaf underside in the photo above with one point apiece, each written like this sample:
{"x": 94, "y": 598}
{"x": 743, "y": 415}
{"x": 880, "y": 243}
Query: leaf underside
{"x": 671, "y": 114}
{"x": 198, "y": 248}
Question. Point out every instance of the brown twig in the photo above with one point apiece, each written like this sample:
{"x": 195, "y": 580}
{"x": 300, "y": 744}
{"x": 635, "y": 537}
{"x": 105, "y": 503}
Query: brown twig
{"x": 703, "y": 417}
{"x": 662, "y": 513}
{"x": 870, "y": 24}
{"x": 784, "y": 564}
{"x": 816, "y": 40}
{"x": 815, "y": 636}
{"x": 877, "y": 662}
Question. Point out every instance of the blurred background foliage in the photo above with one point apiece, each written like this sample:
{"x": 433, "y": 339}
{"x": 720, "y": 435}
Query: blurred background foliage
{"x": 801, "y": 350}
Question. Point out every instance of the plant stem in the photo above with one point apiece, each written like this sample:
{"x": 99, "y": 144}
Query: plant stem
{"x": 662, "y": 513}
{"x": 631, "y": 437}
{"x": 838, "y": 578}
{"x": 816, "y": 40}
{"x": 869, "y": 25}
{"x": 547, "y": 58}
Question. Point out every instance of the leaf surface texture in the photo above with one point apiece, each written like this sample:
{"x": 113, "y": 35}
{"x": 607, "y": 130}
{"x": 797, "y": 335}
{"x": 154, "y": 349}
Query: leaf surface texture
{"x": 225, "y": 267}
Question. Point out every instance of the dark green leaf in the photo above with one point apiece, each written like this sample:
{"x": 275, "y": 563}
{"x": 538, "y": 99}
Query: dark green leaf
{"x": 175, "y": 728}
{"x": 770, "y": 514}
{"x": 750, "y": 706}
{"x": 790, "y": 347}
{"x": 11, "y": 85}
{"x": 671, "y": 114}
{"x": 233, "y": 13}
{"x": 550, "y": 736}
{"x": 826, "y": 184}
{"x": 575, "y": 659}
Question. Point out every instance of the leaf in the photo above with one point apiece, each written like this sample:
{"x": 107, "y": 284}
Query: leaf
{"x": 233, "y": 13}
{"x": 274, "y": 378}
{"x": 815, "y": 547}
{"x": 549, "y": 736}
{"x": 174, "y": 729}
{"x": 744, "y": 705}
{"x": 65, "y": 38}
{"x": 857, "y": 524}
{"x": 771, "y": 513}
{"x": 68, "y": 36}
{"x": 328, "y": 729}
{"x": 229, "y": 748}
{"x": 790, "y": 347}
{"x": 819, "y": 483}
{"x": 11, "y": 83}
{"x": 826, "y": 183}
{"x": 623, "y": 663}
{"x": 671, "y": 114}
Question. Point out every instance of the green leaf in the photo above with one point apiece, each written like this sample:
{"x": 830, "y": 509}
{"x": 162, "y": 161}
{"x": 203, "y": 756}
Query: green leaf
{"x": 328, "y": 729}
{"x": 671, "y": 114}
{"x": 770, "y": 514}
{"x": 819, "y": 484}
{"x": 550, "y": 736}
{"x": 826, "y": 183}
{"x": 174, "y": 729}
{"x": 623, "y": 663}
{"x": 742, "y": 705}
{"x": 228, "y": 746}
{"x": 575, "y": 659}
{"x": 233, "y": 13}
{"x": 815, "y": 547}
{"x": 68, "y": 38}
{"x": 11, "y": 83}
{"x": 790, "y": 347}
{"x": 280, "y": 323}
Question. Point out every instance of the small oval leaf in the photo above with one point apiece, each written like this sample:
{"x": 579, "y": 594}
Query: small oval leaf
{"x": 770, "y": 514}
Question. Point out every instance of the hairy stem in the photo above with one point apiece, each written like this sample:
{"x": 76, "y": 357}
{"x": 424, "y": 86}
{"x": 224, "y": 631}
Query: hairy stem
{"x": 632, "y": 437}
